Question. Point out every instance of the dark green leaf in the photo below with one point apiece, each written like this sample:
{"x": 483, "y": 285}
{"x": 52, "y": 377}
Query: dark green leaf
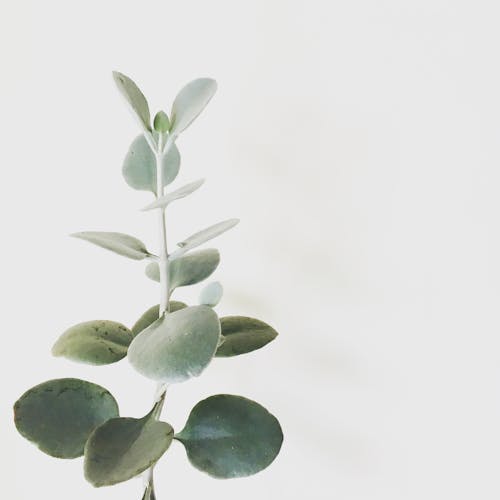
{"x": 241, "y": 335}
{"x": 152, "y": 314}
{"x": 59, "y": 415}
{"x": 120, "y": 243}
{"x": 122, "y": 448}
{"x": 231, "y": 436}
{"x": 134, "y": 97}
{"x": 177, "y": 346}
{"x": 98, "y": 342}
{"x": 139, "y": 166}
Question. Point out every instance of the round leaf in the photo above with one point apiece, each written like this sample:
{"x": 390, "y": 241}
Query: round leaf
{"x": 189, "y": 269}
{"x": 120, "y": 243}
{"x": 59, "y": 415}
{"x": 211, "y": 294}
{"x": 152, "y": 314}
{"x": 190, "y": 102}
{"x": 97, "y": 342}
{"x": 122, "y": 448}
{"x": 241, "y": 335}
{"x": 134, "y": 97}
{"x": 177, "y": 346}
{"x": 231, "y": 436}
{"x": 139, "y": 166}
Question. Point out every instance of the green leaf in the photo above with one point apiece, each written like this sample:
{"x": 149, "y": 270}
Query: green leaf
{"x": 122, "y": 448}
{"x": 231, "y": 436}
{"x": 59, "y": 415}
{"x": 134, "y": 97}
{"x": 120, "y": 243}
{"x": 98, "y": 342}
{"x": 149, "y": 493}
{"x": 177, "y": 346}
{"x": 211, "y": 294}
{"x": 203, "y": 236}
{"x": 161, "y": 123}
{"x": 152, "y": 314}
{"x": 187, "y": 270}
{"x": 175, "y": 195}
{"x": 139, "y": 166}
{"x": 190, "y": 102}
{"x": 241, "y": 335}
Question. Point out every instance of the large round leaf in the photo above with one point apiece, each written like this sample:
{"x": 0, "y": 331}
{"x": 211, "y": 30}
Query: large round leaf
{"x": 231, "y": 436}
{"x": 241, "y": 335}
{"x": 59, "y": 415}
{"x": 152, "y": 314}
{"x": 139, "y": 166}
{"x": 122, "y": 448}
{"x": 97, "y": 342}
{"x": 177, "y": 346}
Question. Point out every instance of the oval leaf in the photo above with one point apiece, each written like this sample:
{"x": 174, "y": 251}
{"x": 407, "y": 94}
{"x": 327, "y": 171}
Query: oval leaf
{"x": 98, "y": 342}
{"x": 203, "y": 236}
{"x": 120, "y": 243}
{"x": 187, "y": 270}
{"x": 231, "y": 436}
{"x": 161, "y": 123}
{"x": 190, "y": 102}
{"x": 139, "y": 166}
{"x": 177, "y": 346}
{"x": 59, "y": 415}
{"x": 211, "y": 294}
{"x": 122, "y": 448}
{"x": 134, "y": 97}
{"x": 152, "y": 314}
{"x": 241, "y": 335}
{"x": 175, "y": 195}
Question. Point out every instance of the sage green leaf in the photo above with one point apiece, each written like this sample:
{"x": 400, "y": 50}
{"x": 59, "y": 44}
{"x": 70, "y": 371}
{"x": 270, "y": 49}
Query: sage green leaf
{"x": 152, "y": 314}
{"x": 139, "y": 166}
{"x": 59, "y": 415}
{"x": 203, "y": 236}
{"x": 120, "y": 243}
{"x": 231, "y": 436}
{"x": 122, "y": 448}
{"x": 211, "y": 294}
{"x": 242, "y": 335}
{"x": 187, "y": 270}
{"x": 98, "y": 342}
{"x": 134, "y": 97}
{"x": 175, "y": 195}
{"x": 161, "y": 123}
{"x": 177, "y": 346}
{"x": 149, "y": 493}
{"x": 190, "y": 102}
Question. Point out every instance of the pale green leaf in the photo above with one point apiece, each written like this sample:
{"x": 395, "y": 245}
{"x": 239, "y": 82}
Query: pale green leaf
{"x": 211, "y": 294}
{"x": 175, "y": 195}
{"x": 59, "y": 415}
{"x": 177, "y": 346}
{"x": 134, "y": 97}
{"x": 190, "y": 102}
{"x": 152, "y": 314}
{"x": 98, "y": 342}
{"x": 230, "y": 436}
{"x": 161, "y": 123}
{"x": 120, "y": 243}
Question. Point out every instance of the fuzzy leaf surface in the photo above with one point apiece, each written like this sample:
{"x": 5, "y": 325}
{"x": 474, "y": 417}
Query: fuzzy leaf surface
{"x": 211, "y": 294}
{"x": 134, "y": 97}
{"x": 120, "y": 243}
{"x": 182, "y": 192}
{"x": 152, "y": 314}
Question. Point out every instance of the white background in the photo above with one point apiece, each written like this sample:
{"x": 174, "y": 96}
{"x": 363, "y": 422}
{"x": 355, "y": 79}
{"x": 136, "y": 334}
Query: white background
{"x": 358, "y": 143}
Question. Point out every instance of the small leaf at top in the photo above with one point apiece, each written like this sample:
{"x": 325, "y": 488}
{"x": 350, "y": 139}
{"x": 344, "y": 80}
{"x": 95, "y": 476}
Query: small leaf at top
{"x": 211, "y": 294}
{"x": 59, "y": 415}
{"x": 242, "y": 335}
{"x": 152, "y": 314}
{"x": 187, "y": 270}
{"x": 203, "y": 236}
{"x": 120, "y": 243}
{"x": 122, "y": 448}
{"x": 175, "y": 195}
{"x": 134, "y": 97}
{"x": 161, "y": 123}
{"x": 190, "y": 102}
{"x": 177, "y": 346}
{"x": 139, "y": 166}
{"x": 230, "y": 436}
{"x": 97, "y": 342}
